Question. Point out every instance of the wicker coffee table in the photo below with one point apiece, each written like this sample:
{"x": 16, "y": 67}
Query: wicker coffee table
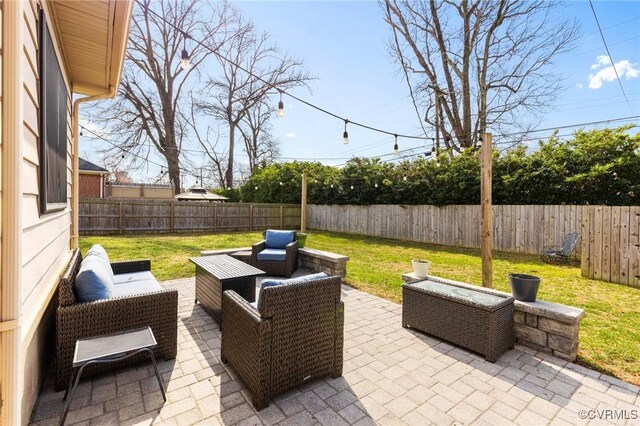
{"x": 216, "y": 274}
{"x": 468, "y": 316}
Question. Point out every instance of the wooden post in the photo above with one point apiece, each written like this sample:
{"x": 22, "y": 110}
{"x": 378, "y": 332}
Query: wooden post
{"x": 215, "y": 218}
{"x": 172, "y": 225}
{"x": 120, "y": 216}
{"x": 251, "y": 217}
{"x": 303, "y": 205}
{"x": 486, "y": 221}
{"x": 281, "y": 223}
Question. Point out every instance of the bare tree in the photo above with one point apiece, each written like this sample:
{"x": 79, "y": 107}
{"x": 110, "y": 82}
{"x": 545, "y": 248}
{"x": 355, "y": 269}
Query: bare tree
{"x": 146, "y": 114}
{"x": 209, "y": 140}
{"x": 259, "y": 144}
{"x": 252, "y": 69}
{"x": 478, "y": 63}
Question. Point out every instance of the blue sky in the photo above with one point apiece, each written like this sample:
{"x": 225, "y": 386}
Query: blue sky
{"x": 343, "y": 45}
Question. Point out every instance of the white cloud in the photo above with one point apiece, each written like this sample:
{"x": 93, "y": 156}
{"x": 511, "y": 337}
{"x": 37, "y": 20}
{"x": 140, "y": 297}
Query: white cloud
{"x": 290, "y": 135}
{"x": 625, "y": 70}
{"x": 600, "y": 61}
{"x": 579, "y": 85}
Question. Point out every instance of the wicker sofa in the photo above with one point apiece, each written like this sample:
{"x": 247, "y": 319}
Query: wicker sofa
{"x": 284, "y": 267}
{"x": 76, "y": 320}
{"x": 293, "y": 334}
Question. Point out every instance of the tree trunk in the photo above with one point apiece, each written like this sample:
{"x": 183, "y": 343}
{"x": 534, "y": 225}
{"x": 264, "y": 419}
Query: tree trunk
{"x": 232, "y": 142}
{"x": 174, "y": 173}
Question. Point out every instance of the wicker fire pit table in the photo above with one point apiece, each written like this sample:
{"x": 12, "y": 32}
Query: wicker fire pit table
{"x": 472, "y": 317}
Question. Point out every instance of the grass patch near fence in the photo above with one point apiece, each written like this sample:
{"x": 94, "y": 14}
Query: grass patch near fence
{"x": 609, "y": 333}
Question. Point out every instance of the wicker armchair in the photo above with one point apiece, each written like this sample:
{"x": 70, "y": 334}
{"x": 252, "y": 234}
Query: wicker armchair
{"x": 75, "y": 320}
{"x": 296, "y": 335}
{"x": 284, "y": 268}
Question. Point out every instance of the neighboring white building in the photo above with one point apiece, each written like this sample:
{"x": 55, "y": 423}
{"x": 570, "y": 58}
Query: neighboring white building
{"x": 198, "y": 193}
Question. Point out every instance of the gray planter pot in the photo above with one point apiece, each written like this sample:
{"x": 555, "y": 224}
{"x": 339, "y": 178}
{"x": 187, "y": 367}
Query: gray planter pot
{"x": 524, "y": 287}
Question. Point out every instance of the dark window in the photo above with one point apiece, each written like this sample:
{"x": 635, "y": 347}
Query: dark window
{"x": 53, "y": 126}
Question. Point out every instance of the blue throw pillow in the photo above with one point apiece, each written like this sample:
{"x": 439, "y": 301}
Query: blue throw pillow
{"x": 99, "y": 251}
{"x": 268, "y": 283}
{"x": 278, "y": 239}
{"x": 93, "y": 281}
{"x": 303, "y": 279}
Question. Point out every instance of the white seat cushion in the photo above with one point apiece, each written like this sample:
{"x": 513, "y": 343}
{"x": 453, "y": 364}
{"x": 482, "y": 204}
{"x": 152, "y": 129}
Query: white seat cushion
{"x": 135, "y": 287}
{"x": 133, "y": 277}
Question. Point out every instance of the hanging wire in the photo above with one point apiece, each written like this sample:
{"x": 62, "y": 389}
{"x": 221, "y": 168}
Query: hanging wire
{"x": 609, "y": 54}
{"x": 272, "y": 85}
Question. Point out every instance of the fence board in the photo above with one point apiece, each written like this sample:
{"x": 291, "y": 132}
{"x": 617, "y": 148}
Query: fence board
{"x": 610, "y": 235}
{"x": 103, "y": 216}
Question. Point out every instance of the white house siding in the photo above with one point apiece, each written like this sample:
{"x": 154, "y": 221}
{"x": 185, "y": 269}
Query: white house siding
{"x": 45, "y": 240}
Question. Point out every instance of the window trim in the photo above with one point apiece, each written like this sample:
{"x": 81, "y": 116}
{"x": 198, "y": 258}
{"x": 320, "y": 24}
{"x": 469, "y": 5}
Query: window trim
{"x": 44, "y": 64}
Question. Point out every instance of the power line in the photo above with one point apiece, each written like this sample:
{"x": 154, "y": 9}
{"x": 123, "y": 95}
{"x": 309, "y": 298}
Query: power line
{"x": 162, "y": 166}
{"x": 613, "y": 64}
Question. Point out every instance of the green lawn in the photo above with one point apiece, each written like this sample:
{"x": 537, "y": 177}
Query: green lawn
{"x": 609, "y": 333}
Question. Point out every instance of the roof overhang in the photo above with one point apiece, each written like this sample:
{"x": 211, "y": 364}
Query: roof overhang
{"x": 93, "y": 172}
{"x": 93, "y": 35}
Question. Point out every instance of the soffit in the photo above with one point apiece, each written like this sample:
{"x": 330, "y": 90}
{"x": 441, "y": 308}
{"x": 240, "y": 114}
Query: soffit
{"x": 93, "y": 36}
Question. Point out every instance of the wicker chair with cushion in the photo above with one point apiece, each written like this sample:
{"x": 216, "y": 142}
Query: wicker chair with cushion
{"x": 277, "y": 254}
{"x": 293, "y": 334}
{"x": 562, "y": 254}
{"x": 135, "y": 302}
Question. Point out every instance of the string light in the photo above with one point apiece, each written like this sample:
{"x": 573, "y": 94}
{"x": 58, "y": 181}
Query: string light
{"x": 396, "y": 150}
{"x": 351, "y": 186}
{"x": 281, "y": 183}
{"x": 309, "y": 104}
{"x": 185, "y": 63}
{"x": 404, "y": 178}
{"x": 376, "y": 185}
{"x": 280, "y": 106}
{"x": 345, "y": 135}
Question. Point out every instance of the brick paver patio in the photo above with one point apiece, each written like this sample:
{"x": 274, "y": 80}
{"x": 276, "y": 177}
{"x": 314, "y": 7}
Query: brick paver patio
{"x": 391, "y": 376}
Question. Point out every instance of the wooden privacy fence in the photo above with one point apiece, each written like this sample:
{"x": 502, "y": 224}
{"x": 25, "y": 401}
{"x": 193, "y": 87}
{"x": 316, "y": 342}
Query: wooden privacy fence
{"x": 100, "y": 216}
{"x": 611, "y": 244}
{"x": 609, "y": 250}
{"x": 520, "y": 229}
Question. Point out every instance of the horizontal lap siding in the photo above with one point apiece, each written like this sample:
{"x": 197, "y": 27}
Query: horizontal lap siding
{"x": 45, "y": 239}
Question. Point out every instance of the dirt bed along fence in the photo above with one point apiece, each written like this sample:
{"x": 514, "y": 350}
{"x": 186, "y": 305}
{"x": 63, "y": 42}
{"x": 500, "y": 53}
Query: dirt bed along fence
{"x": 609, "y": 251}
{"x": 100, "y": 216}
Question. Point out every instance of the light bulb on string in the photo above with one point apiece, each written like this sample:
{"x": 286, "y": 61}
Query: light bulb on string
{"x": 351, "y": 186}
{"x": 185, "y": 63}
{"x": 345, "y": 135}
{"x": 228, "y": 188}
{"x": 280, "y": 106}
{"x": 396, "y": 150}
{"x": 281, "y": 183}
{"x": 332, "y": 185}
{"x": 404, "y": 178}
{"x": 256, "y": 187}
{"x": 376, "y": 184}
{"x": 81, "y": 129}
